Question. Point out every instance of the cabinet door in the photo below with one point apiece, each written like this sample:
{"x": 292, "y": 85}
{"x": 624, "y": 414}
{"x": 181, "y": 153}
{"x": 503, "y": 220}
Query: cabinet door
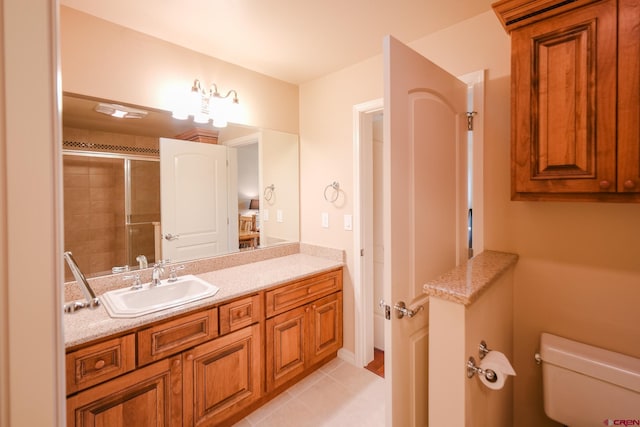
{"x": 629, "y": 97}
{"x": 222, "y": 376}
{"x": 286, "y": 346}
{"x": 150, "y": 396}
{"x": 564, "y": 103}
{"x": 325, "y": 327}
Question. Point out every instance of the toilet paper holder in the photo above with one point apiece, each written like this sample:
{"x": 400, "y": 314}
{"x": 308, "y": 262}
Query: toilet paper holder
{"x": 472, "y": 369}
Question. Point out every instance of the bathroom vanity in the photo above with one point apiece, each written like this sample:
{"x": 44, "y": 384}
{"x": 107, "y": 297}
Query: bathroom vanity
{"x": 212, "y": 361}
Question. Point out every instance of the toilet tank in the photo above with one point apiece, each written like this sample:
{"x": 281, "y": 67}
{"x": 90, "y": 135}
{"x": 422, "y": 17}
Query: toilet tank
{"x": 588, "y": 386}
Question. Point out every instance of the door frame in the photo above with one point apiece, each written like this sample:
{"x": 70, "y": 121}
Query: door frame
{"x": 362, "y": 153}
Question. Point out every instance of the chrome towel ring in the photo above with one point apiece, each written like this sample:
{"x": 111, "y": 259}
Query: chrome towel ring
{"x": 268, "y": 192}
{"x": 336, "y": 192}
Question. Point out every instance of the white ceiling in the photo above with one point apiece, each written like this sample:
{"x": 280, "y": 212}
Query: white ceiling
{"x": 292, "y": 40}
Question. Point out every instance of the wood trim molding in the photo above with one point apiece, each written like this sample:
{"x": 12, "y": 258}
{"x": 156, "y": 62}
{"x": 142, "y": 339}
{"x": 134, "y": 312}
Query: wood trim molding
{"x": 208, "y": 136}
{"x": 517, "y": 13}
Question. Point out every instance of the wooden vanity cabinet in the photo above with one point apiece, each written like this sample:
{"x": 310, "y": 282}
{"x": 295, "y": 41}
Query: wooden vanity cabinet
{"x": 575, "y": 99}
{"x": 303, "y": 327}
{"x": 207, "y": 368}
{"x": 220, "y": 376}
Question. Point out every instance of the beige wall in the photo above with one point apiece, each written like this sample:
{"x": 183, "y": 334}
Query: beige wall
{"x": 104, "y": 60}
{"x": 579, "y": 269}
{"x": 31, "y": 353}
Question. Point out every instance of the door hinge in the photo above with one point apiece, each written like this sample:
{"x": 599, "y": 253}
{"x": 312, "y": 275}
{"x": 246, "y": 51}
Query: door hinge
{"x": 361, "y": 252}
{"x": 470, "y": 115}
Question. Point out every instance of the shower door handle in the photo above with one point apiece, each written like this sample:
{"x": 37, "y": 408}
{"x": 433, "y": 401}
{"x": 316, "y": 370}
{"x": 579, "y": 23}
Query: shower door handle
{"x": 171, "y": 237}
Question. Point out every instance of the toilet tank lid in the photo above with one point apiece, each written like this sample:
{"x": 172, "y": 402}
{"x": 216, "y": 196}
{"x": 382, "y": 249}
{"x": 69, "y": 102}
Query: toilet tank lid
{"x": 616, "y": 368}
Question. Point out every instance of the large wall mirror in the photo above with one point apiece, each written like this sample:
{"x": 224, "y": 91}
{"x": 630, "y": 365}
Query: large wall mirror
{"x": 112, "y": 184}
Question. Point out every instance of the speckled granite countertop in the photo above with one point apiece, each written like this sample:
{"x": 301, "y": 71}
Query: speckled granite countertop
{"x": 87, "y": 325}
{"x": 464, "y": 284}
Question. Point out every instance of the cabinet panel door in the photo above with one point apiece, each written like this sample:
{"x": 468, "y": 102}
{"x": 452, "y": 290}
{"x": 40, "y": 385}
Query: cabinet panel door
{"x": 286, "y": 346}
{"x": 629, "y": 97}
{"x": 150, "y": 396}
{"x": 222, "y": 376}
{"x": 564, "y": 103}
{"x": 325, "y": 327}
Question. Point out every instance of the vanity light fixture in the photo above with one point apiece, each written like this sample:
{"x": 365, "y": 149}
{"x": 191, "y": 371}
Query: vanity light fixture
{"x": 120, "y": 111}
{"x": 204, "y": 105}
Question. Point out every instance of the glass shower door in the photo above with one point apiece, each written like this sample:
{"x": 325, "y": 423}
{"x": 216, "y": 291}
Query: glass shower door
{"x": 143, "y": 210}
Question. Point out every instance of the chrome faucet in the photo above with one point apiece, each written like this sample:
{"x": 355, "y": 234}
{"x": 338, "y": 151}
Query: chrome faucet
{"x": 157, "y": 271}
{"x": 92, "y": 300}
{"x": 142, "y": 261}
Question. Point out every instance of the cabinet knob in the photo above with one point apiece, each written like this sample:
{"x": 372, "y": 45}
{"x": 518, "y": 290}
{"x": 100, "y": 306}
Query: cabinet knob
{"x": 189, "y": 356}
{"x": 629, "y": 184}
{"x": 99, "y": 364}
{"x": 604, "y": 184}
{"x": 176, "y": 363}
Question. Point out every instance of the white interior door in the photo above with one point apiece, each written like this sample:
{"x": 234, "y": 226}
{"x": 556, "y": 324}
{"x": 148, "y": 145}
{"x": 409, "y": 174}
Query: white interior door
{"x": 193, "y": 199}
{"x": 424, "y": 181}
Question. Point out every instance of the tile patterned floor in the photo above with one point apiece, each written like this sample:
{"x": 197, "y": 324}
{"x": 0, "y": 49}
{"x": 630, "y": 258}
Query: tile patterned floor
{"x": 338, "y": 394}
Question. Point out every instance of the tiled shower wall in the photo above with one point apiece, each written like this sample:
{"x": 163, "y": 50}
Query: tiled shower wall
{"x": 94, "y": 215}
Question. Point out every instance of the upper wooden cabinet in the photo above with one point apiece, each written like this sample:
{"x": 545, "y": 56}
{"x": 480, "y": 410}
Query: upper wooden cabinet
{"x": 575, "y": 87}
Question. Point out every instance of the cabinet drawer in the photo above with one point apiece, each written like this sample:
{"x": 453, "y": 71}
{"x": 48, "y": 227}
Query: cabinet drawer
{"x": 238, "y": 314}
{"x": 100, "y": 362}
{"x": 295, "y": 294}
{"x": 168, "y": 338}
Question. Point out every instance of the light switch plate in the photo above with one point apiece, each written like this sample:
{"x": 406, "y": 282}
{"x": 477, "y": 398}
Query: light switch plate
{"x": 265, "y": 214}
{"x": 279, "y": 216}
{"x": 325, "y": 220}
{"x": 348, "y": 222}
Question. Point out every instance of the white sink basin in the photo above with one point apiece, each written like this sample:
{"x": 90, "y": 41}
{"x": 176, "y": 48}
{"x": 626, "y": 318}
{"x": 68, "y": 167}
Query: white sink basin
{"x": 126, "y": 302}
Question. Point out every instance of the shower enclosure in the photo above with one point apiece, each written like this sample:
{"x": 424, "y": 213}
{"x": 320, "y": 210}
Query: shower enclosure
{"x": 112, "y": 210}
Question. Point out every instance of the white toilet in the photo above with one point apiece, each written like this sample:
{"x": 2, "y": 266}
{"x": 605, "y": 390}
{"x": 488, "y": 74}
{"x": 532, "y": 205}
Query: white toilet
{"x": 588, "y": 386}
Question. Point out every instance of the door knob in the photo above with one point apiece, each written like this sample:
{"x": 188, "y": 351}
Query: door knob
{"x": 170, "y": 237}
{"x": 402, "y": 310}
